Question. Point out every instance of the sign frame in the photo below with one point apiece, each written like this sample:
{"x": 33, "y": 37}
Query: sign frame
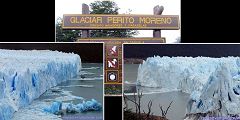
{"x": 122, "y": 27}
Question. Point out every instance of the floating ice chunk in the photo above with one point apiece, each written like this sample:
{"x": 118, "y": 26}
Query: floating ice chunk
{"x": 71, "y": 108}
{"x": 91, "y": 105}
{"x": 54, "y": 108}
{"x": 77, "y": 97}
{"x": 90, "y": 68}
{"x": 96, "y": 106}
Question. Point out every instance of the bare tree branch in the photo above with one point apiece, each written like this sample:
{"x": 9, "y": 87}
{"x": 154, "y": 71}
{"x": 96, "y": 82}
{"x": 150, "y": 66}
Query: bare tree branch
{"x": 137, "y": 101}
{"x": 161, "y": 110}
{"x": 164, "y": 113}
{"x": 149, "y": 108}
{"x": 139, "y": 104}
{"x": 168, "y": 108}
{"x": 125, "y": 102}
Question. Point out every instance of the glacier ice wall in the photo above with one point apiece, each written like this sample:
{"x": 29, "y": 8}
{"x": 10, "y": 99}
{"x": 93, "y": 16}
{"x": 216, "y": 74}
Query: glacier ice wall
{"x": 182, "y": 73}
{"x": 218, "y": 97}
{"x": 26, "y": 74}
{"x": 213, "y": 83}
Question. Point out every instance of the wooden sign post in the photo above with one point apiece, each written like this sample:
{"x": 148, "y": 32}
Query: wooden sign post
{"x": 85, "y": 10}
{"x": 157, "y": 10}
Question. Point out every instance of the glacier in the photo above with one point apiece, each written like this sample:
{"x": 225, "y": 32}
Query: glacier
{"x": 213, "y": 83}
{"x": 27, "y": 74}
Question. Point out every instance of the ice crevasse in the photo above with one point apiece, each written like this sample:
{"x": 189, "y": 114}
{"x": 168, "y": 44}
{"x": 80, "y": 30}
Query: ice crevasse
{"x": 26, "y": 74}
{"x": 213, "y": 83}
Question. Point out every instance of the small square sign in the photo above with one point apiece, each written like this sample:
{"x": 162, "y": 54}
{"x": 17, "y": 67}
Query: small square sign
{"x": 112, "y": 76}
{"x": 112, "y": 63}
{"x": 112, "y": 50}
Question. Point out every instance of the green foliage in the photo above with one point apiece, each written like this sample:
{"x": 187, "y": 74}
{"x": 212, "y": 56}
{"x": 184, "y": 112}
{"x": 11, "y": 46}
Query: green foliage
{"x": 104, "y": 7}
{"x": 108, "y": 7}
{"x": 97, "y": 7}
{"x": 113, "y": 89}
{"x": 65, "y": 35}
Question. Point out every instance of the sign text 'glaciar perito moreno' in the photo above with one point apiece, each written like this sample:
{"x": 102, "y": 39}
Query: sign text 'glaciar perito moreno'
{"x": 96, "y": 21}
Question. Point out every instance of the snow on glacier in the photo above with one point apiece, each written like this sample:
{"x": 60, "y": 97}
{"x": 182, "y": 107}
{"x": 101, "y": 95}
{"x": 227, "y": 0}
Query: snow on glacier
{"x": 26, "y": 74}
{"x": 213, "y": 83}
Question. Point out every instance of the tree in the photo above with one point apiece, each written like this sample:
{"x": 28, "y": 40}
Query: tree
{"x": 97, "y": 7}
{"x": 108, "y": 7}
{"x": 65, "y": 35}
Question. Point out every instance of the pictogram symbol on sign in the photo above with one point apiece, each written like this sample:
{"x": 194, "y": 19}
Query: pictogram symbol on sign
{"x": 112, "y": 50}
{"x": 112, "y": 75}
{"x": 112, "y": 63}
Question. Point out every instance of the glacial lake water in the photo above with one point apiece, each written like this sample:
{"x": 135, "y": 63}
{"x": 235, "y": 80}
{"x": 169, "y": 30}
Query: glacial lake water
{"x": 89, "y": 86}
{"x": 178, "y": 107}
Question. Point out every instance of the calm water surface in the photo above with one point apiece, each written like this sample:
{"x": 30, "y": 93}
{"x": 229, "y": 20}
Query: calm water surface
{"x": 178, "y": 107}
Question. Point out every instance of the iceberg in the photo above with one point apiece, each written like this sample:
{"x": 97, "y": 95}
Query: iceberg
{"x": 54, "y": 108}
{"x": 27, "y": 74}
{"x": 71, "y": 108}
{"x": 213, "y": 83}
{"x": 90, "y": 105}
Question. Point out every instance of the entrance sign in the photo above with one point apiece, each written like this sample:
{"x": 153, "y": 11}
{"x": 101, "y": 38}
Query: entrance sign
{"x": 140, "y": 22}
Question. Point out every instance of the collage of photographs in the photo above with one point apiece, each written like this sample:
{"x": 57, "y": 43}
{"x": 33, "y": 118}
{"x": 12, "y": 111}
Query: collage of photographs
{"x": 118, "y": 60}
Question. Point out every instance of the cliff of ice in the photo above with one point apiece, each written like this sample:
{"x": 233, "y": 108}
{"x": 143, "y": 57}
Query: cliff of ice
{"x": 217, "y": 98}
{"x": 213, "y": 83}
{"x": 26, "y": 74}
{"x": 182, "y": 73}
